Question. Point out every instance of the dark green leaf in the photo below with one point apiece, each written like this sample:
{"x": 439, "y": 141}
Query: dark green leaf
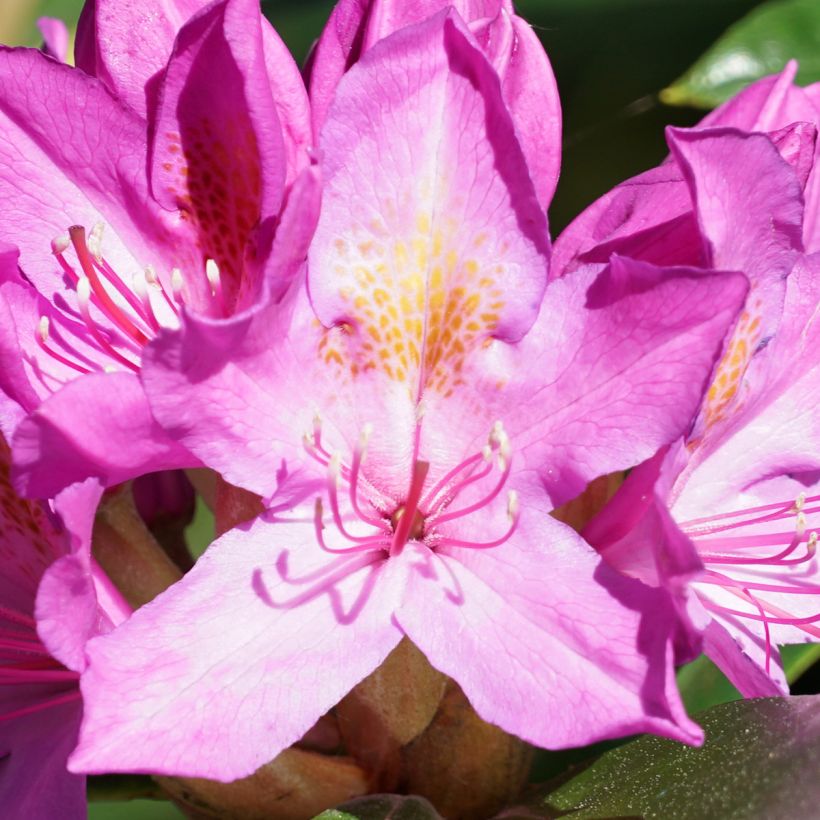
{"x": 760, "y": 760}
{"x": 759, "y": 44}
{"x": 383, "y": 807}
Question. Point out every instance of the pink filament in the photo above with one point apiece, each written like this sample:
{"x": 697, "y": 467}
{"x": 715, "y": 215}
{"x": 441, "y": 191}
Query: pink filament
{"x": 43, "y": 704}
{"x": 107, "y": 304}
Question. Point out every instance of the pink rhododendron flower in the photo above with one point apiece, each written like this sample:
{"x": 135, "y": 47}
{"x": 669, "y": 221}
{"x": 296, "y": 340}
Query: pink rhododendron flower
{"x": 140, "y": 220}
{"x": 508, "y": 41}
{"x": 741, "y": 527}
{"x": 411, "y": 414}
{"x": 52, "y": 599}
{"x": 651, "y": 217}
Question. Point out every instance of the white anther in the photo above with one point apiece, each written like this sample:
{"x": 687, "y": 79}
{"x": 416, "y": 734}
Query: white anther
{"x": 512, "y": 504}
{"x": 139, "y": 285}
{"x": 317, "y": 423}
{"x": 94, "y": 241}
{"x": 212, "y": 274}
{"x": 335, "y": 466}
{"x": 151, "y": 275}
{"x": 811, "y": 544}
{"x": 177, "y": 282}
{"x": 83, "y": 291}
{"x": 42, "y": 328}
{"x": 799, "y": 502}
{"x": 60, "y": 245}
{"x": 801, "y": 523}
{"x": 487, "y": 452}
{"x": 364, "y": 438}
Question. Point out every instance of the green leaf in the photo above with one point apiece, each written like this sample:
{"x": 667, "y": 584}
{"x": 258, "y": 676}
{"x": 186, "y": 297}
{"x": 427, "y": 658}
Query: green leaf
{"x": 759, "y": 760}
{"x": 759, "y": 44}
{"x": 383, "y": 807}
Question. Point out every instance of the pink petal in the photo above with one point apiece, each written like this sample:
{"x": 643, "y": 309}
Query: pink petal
{"x": 230, "y": 390}
{"x": 251, "y": 674}
{"x": 741, "y": 658}
{"x": 546, "y": 642}
{"x": 55, "y": 37}
{"x": 98, "y": 426}
{"x": 614, "y": 369}
{"x": 428, "y": 210}
{"x": 34, "y": 781}
{"x": 218, "y": 152}
{"x": 748, "y": 201}
{"x": 107, "y": 48}
{"x": 53, "y": 118}
{"x": 528, "y": 84}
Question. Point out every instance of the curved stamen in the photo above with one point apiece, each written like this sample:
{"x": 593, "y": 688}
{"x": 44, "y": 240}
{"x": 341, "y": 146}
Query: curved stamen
{"x": 107, "y": 304}
{"x": 13, "y": 676}
{"x": 83, "y": 293}
{"x": 42, "y": 335}
{"x": 355, "y": 469}
{"x": 333, "y": 471}
{"x": 481, "y": 503}
{"x": 782, "y": 509}
{"x": 779, "y": 559}
{"x": 472, "y": 461}
{"x": 368, "y": 544}
{"x": 512, "y": 513}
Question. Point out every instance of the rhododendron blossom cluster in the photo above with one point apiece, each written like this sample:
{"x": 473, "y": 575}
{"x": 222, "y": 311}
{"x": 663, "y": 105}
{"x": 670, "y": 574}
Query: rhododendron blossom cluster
{"x": 332, "y": 297}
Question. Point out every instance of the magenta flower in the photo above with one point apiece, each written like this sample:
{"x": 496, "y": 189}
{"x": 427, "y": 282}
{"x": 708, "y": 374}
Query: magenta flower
{"x": 651, "y": 217}
{"x": 509, "y": 43}
{"x": 412, "y": 415}
{"x": 741, "y": 526}
{"x": 46, "y": 558}
{"x": 133, "y": 230}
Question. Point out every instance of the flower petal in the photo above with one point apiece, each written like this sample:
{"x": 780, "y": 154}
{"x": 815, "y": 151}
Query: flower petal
{"x": 614, "y": 369}
{"x": 547, "y": 642}
{"x": 231, "y": 653}
{"x": 34, "y": 781}
{"x": 82, "y": 157}
{"x": 527, "y": 81}
{"x": 218, "y": 151}
{"x": 438, "y": 242}
{"x": 98, "y": 426}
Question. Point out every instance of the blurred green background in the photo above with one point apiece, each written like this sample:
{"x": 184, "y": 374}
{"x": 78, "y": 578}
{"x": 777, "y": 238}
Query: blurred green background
{"x": 611, "y": 58}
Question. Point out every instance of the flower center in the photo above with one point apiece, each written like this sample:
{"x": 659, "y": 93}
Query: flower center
{"x": 743, "y": 548}
{"x": 370, "y": 528}
{"x": 118, "y": 317}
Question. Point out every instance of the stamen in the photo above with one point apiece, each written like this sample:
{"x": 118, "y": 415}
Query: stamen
{"x": 43, "y": 704}
{"x": 83, "y": 296}
{"x": 214, "y": 279}
{"x": 333, "y": 471}
{"x": 513, "y": 514}
{"x": 358, "y": 457}
{"x": 375, "y": 542}
{"x": 42, "y": 335}
{"x": 107, "y": 304}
